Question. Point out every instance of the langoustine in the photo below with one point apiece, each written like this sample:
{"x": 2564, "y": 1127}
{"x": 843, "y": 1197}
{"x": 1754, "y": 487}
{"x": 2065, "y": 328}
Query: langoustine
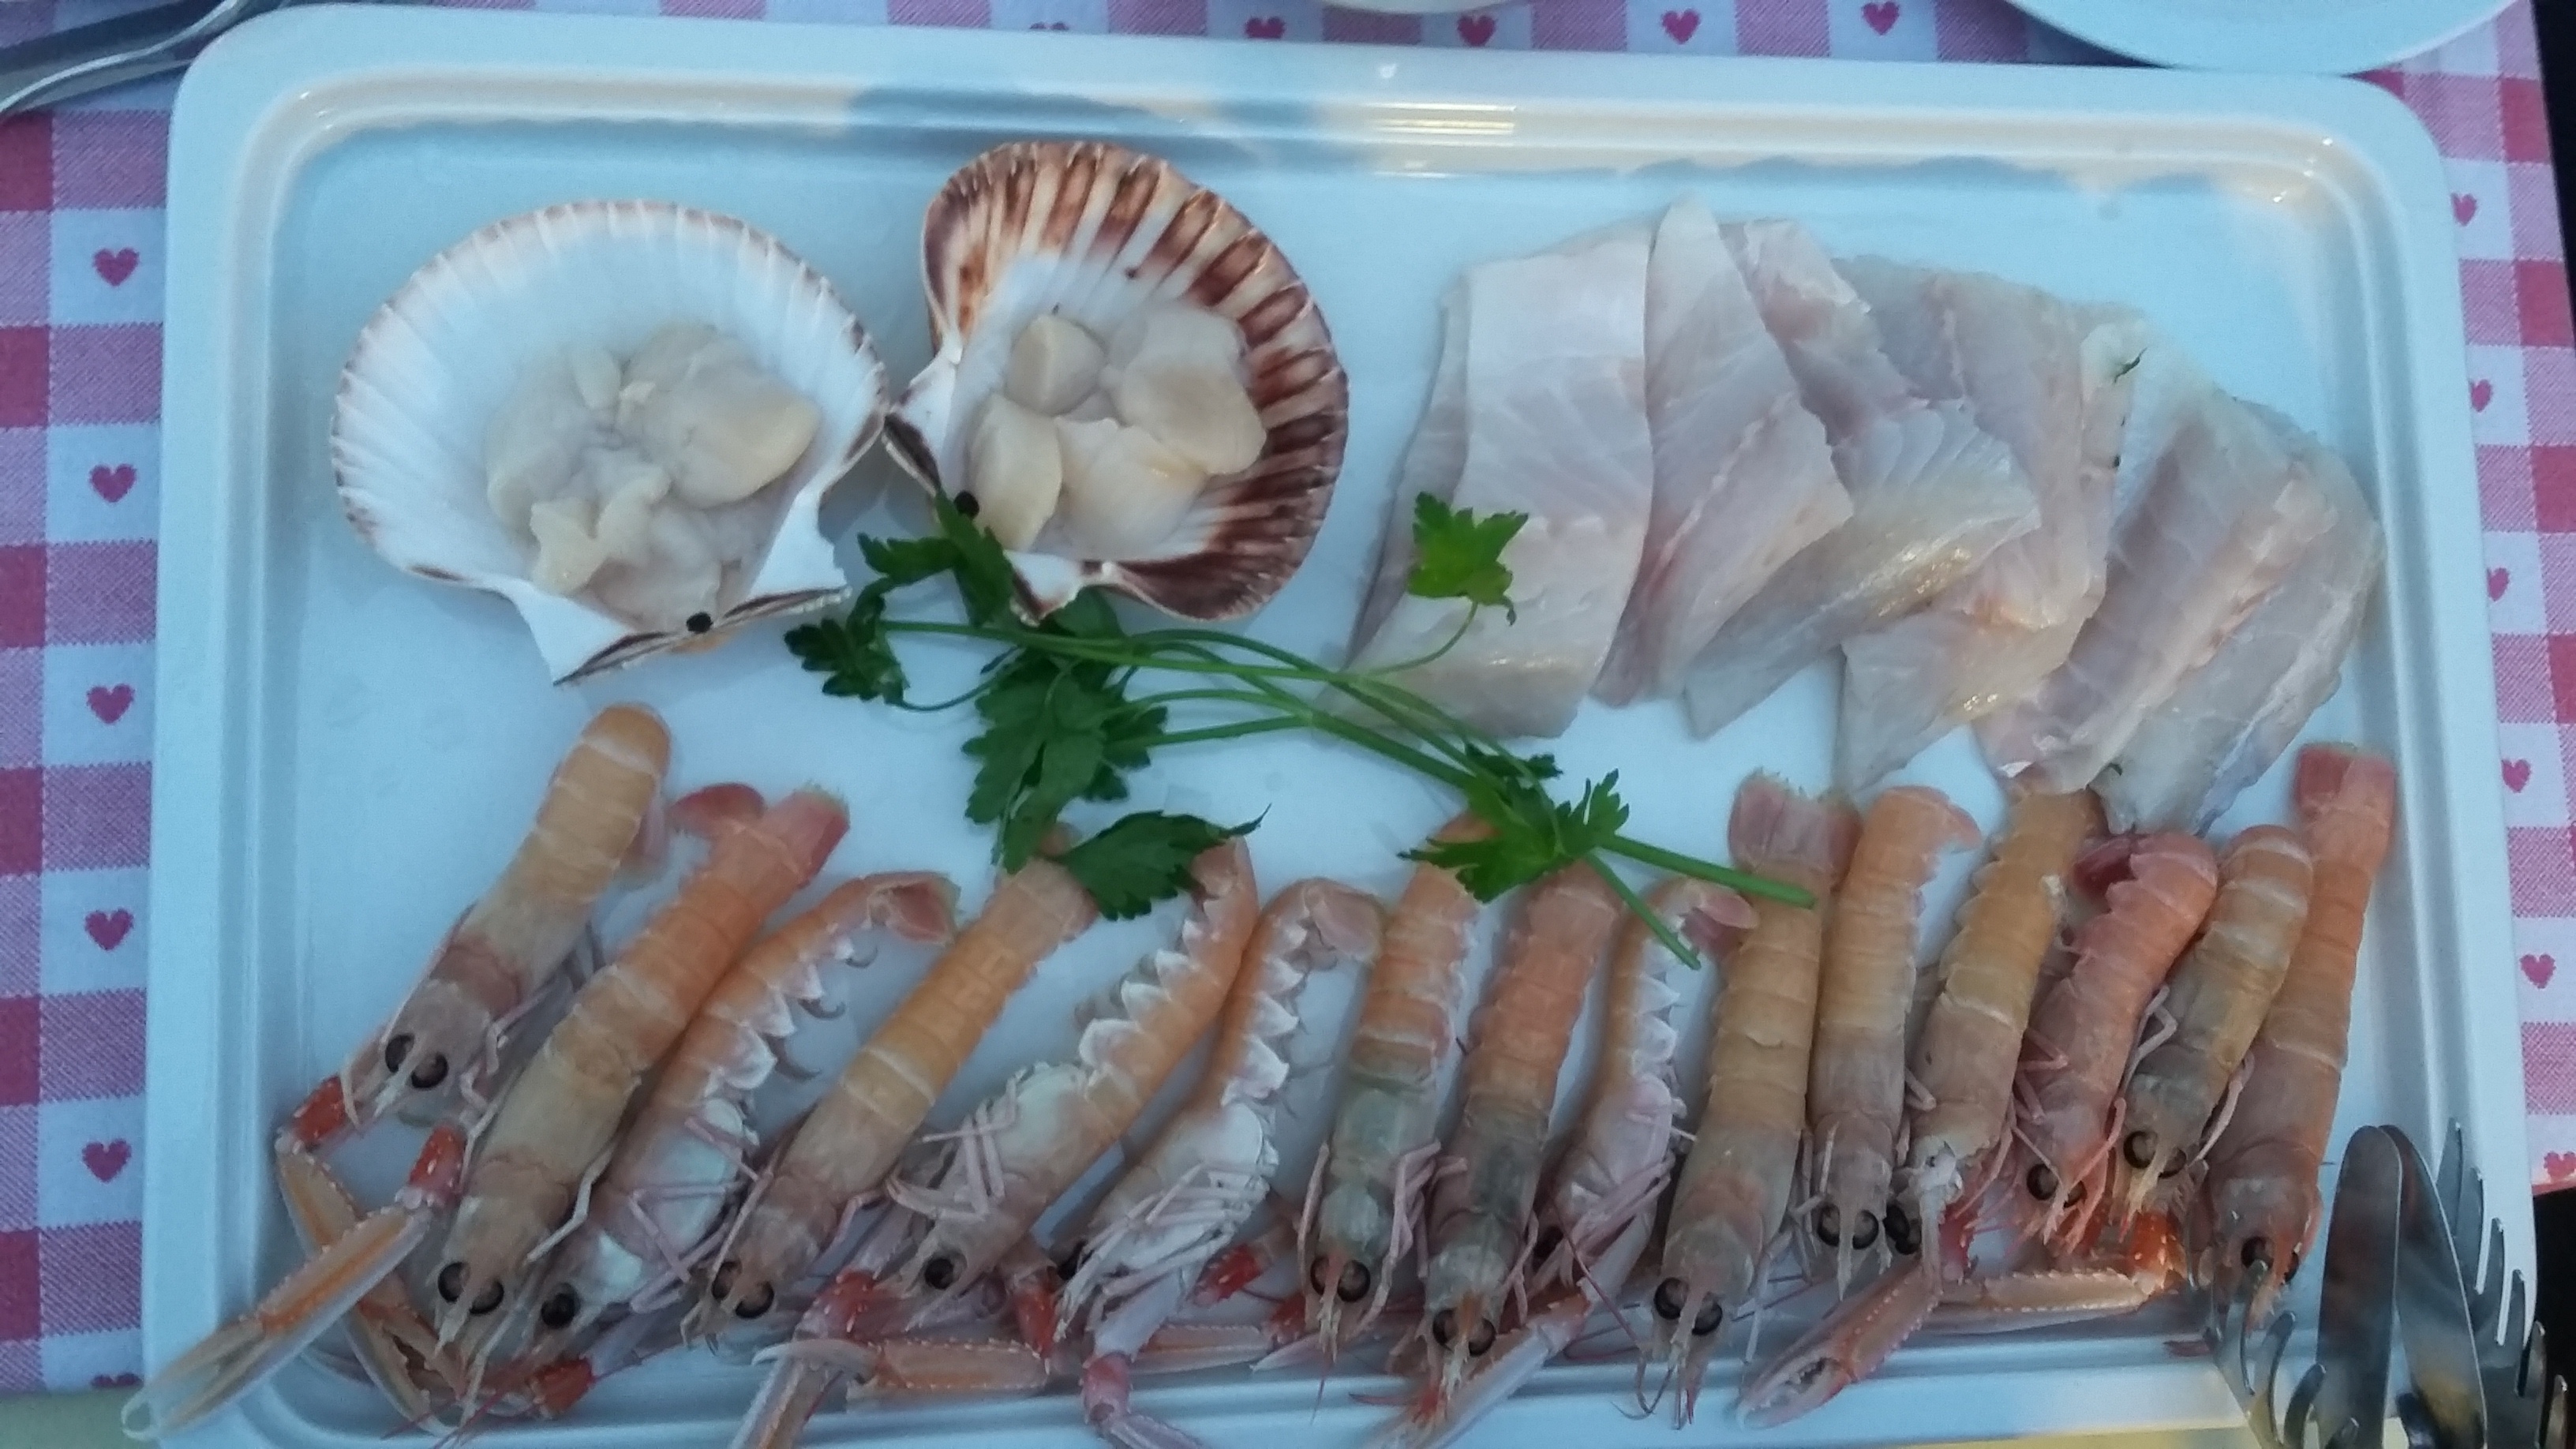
{"x": 1856, "y": 1068}
{"x": 442, "y": 1044}
{"x": 2076, "y": 1049}
{"x": 1959, "y": 1096}
{"x": 1601, "y": 1206}
{"x": 2215, "y": 1004}
{"x": 1733, "y": 1196}
{"x": 1024, "y": 1147}
{"x": 1208, "y": 1171}
{"x": 854, "y": 1135}
{"x": 2262, "y": 1183}
{"x": 551, "y": 1132}
{"x": 1486, "y": 1180}
{"x": 1363, "y": 1207}
{"x": 684, "y": 1160}
{"x": 1970, "y": 1040}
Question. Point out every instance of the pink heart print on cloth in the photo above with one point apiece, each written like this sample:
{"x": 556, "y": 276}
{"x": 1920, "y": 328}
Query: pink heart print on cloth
{"x": 81, "y": 196}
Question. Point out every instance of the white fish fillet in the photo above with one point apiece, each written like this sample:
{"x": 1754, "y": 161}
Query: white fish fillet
{"x": 1743, "y": 476}
{"x": 2236, "y": 714}
{"x": 2050, "y": 381}
{"x": 1551, "y": 394}
{"x": 2223, "y": 509}
{"x": 1932, "y": 493}
{"x": 1434, "y": 460}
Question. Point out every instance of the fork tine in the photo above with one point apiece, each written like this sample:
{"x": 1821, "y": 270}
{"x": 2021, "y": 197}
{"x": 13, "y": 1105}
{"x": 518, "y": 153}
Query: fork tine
{"x": 2535, "y": 1351}
{"x": 2489, "y": 1297}
{"x": 2303, "y": 1402}
{"x": 2451, "y": 1186}
{"x": 2553, "y": 1422}
{"x": 2276, "y": 1346}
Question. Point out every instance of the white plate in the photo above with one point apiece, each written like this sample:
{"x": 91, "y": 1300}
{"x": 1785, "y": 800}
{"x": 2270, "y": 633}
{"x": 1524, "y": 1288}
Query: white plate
{"x": 345, "y": 754}
{"x": 2313, "y": 37}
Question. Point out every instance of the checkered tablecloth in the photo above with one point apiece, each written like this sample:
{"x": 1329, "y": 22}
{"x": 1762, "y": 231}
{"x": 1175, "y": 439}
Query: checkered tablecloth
{"x": 80, "y": 308}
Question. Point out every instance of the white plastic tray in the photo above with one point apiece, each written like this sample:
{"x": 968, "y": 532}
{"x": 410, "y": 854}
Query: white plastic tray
{"x": 346, "y": 754}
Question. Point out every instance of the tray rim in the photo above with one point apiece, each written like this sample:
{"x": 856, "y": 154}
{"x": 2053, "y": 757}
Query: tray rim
{"x": 280, "y": 89}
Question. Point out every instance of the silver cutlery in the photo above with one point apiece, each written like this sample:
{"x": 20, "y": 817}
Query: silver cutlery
{"x": 52, "y": 69}
{"x": 2342, "y": 1398}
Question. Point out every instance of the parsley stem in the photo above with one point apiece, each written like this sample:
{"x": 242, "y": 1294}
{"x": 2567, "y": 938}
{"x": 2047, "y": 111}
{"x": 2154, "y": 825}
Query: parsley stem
{"x": 1234, "y": 731}
{"x": 1674, "y": 861}
{"x": 1437, "y": 744}
{"x": 1388, "y": 672}
{"x": 1664, "y": 932}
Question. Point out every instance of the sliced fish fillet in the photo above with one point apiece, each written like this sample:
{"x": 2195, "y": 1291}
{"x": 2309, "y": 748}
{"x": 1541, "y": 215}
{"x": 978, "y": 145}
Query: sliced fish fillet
{"x": 1743, "y": 476}
{"x": 1550, "y": 393}
{"x": 1932, "y": 493}
{"x": 2224, "y": 508}
{"x": 2050, "y": 381}
{"x": 2235, "y": 715}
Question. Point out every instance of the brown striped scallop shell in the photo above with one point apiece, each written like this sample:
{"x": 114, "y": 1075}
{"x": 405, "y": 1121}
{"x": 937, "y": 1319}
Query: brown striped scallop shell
{"x": 1095, "y": 231}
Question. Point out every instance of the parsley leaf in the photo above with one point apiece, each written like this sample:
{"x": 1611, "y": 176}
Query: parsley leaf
{"x": 1530, "y": 834}
{"x": 1457, "y": 555}
{"x": 1143, "y": 858}
{"x": 984, "y": 577}
{"x": 901, "y": 561}
{"x": 1089, "y": 616}
{"x": 853, "y": 653}
{"x": 1055, "y": 731}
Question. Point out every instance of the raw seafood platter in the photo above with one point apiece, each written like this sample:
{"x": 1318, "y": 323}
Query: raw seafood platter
{"x": 1041, "y": 755}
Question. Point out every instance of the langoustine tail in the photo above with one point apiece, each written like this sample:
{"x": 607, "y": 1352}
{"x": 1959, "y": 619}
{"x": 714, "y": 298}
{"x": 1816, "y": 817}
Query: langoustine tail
{"x": 1774, "y": 824}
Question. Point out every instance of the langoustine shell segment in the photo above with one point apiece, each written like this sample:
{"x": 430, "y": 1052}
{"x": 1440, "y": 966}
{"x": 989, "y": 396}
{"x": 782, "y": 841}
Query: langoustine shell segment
{"x": 1111, "y": 328}
{"x": 620, "y": 416}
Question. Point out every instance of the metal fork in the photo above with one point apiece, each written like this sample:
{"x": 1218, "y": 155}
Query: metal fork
{"x": 2526, "y": 1404}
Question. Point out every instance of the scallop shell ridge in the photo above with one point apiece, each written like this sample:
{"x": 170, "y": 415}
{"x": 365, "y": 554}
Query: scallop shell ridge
{"x": 435, "y": 362}
{"x": 1095, "y": 231}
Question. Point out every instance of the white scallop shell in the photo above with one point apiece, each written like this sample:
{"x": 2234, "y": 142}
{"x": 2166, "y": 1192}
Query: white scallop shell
{"x": 435, "y": 363}
{"x": 1095, "y": 232}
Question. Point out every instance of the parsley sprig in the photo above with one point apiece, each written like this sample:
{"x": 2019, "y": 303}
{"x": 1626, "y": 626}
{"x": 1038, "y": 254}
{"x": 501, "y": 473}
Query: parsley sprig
{"x": 1064, "y": 719}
